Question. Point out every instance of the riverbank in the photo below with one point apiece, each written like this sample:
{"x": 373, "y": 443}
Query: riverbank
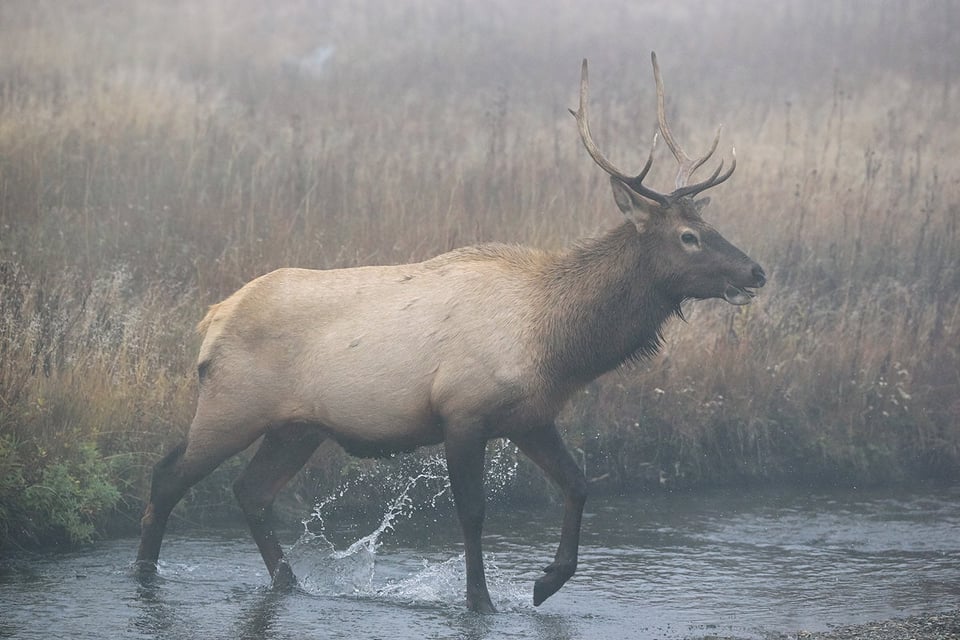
{"x": 933, "y": 626}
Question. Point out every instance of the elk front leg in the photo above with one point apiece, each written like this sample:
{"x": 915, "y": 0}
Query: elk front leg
{"x": 465, "y": 455}
{"x": 547, "y": 450}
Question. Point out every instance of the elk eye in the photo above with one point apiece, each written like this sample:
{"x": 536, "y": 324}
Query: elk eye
{"x": 690, "y": 239}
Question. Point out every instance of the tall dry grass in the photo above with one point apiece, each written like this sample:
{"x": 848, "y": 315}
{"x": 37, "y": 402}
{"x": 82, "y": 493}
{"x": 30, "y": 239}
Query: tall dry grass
{"x": 155, "y": 156}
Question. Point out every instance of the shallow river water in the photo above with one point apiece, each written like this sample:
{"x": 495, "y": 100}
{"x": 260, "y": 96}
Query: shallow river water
{"x": 748, "y": 565}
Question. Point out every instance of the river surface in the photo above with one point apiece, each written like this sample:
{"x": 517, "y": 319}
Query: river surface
{"x": 743, "y": 564}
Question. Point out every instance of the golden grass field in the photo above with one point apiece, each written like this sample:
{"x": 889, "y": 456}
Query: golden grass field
{"x": 156, "y": 156}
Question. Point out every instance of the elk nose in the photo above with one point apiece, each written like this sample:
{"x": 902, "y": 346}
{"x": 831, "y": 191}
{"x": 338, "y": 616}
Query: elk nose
{"x": 759, "y": 276}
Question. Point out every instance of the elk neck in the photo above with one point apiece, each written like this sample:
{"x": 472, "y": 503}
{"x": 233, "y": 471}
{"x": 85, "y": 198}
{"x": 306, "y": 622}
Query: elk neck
{"x": 604, "y": 304}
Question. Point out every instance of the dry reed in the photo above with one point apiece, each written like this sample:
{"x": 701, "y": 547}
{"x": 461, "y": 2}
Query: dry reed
{"x": 156, "y": 156}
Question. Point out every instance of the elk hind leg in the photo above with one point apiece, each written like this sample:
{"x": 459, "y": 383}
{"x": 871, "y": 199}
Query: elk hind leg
{"x": 166, "y": 489}
{"x": 173, "y": 475}
{"x": 282, "y": 453}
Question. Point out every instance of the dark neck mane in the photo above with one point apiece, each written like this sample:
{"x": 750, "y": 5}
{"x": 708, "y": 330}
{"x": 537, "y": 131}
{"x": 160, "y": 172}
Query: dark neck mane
{"x": 602, "y": 306}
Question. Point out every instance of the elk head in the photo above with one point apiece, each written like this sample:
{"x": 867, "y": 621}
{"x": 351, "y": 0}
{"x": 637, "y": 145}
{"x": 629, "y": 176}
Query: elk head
{"x": 689, "y": 256}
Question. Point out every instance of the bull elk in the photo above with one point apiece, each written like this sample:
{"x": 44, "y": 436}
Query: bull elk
{"x": 482, "y": 342}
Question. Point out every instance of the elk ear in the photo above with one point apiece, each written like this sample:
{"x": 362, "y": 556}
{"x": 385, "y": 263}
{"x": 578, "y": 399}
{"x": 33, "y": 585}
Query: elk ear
{"x": 635, "y": 207}
{"x": 702, "y": 203}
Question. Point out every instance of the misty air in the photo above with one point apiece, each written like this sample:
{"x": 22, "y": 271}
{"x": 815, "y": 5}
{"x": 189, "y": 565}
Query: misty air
{"x": 436, "y": 319}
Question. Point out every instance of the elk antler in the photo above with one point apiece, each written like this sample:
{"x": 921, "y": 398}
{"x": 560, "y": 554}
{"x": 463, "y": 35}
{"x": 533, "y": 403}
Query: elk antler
{"x": 634, "y": 182}
{"x": 687, "y": 165}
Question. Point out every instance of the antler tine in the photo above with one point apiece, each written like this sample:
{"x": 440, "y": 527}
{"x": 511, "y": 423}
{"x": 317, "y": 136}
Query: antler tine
{"x": 678, "y": 152}
{"x": 687, "y": 165}
{"x": 583, "y": 125}
{"x": 712, "y": 181}
{"x": 702, "y": 159}
{"x": 636, "y": 180}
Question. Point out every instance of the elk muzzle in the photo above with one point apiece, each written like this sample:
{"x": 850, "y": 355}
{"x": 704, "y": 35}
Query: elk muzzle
{"x": 740, "y": 294}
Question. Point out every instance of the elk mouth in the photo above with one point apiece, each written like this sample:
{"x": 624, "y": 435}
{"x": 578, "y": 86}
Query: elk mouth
{"x": 738, "y": 295}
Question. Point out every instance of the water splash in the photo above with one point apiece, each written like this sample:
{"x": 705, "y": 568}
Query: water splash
{"x": 420, "y": 483}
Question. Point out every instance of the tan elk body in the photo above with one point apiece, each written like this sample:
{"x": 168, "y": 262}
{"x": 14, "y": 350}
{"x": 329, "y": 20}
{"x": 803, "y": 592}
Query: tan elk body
{"x": 479, "y": 343}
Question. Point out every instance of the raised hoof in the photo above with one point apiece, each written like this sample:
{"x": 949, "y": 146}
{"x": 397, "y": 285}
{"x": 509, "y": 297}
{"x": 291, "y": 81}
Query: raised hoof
{"x": 283, "y": 578}
{"x": 554, "y": 577}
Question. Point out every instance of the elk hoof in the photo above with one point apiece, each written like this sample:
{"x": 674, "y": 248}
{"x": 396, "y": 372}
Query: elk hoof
{"x": 555, "y": 576}
{"x": 145, "y": 572}
{"x": 283, "y": 578}
{"x": 145, "y": 568}
{"x": 481, "y": 604}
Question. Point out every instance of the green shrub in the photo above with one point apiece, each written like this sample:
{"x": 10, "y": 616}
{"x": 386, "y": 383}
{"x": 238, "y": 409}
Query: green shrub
{"x": 63, "y": 500}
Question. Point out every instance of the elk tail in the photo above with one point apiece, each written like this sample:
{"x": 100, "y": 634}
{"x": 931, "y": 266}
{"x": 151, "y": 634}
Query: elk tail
{"x": 204, "y": 324}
